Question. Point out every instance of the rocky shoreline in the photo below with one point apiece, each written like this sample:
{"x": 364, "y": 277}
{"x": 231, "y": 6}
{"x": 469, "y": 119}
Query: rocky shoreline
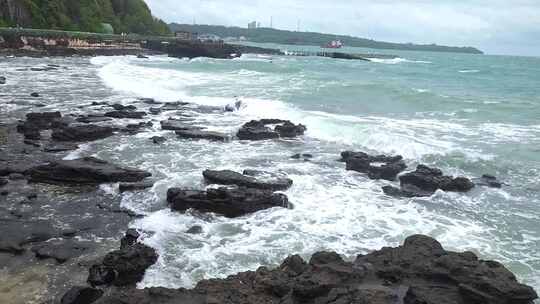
{"x": 61, "y": 232}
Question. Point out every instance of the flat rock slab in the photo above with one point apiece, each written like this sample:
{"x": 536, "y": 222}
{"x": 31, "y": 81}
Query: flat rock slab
{"x": 81, "y": 295}
{"x": 93, "y": 118}
{"x": 126, "y": 114}
{"x": 17, "y": 233}
{"x": 88, "y": 170}
{"x": 249, "y": 179}
{"x": 82, "y": 133}
{"x": 60, "y": 147}
{"x": 227, "y": 202}
{"x": 61, "y": 251}
{"x": 208, "y": 135}
{"x": 375, "y": 166}
{"x": 124, "y": 187}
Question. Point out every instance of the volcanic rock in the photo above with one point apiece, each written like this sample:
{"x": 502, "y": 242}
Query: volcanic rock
{"x": 418, "y": 272}
{"x": 195, "y": 134}
{"x": 121, "y": 107}
{"x": 488, "y": 181}
{"x": 34, "y": 94}
{"x": 124, "y": 187}
{"x": 228, "y": 202}
{"x": 93, "y": 118}
{"x": 123, "y": 267}
{"x": 158, "y": 140}
{"x": 87, "y": 132}
{"x": 259, "y": 130}
{"x": 88, "y": 170}
{"x": 376, "y": 167}
{"x": 81, "y": 295}
{"x": 126, "y": 114}
{"x": 60, "y": 251}
{"x": 305, "y": 156}
{"x": 2, "y": 80}
{"x": 195, "y": 230}
{"x": 249, "y": 179}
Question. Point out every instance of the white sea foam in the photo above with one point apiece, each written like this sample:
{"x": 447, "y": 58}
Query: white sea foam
{"x": 397, "y": 60}
{"x": 469, "y": 71}
{"x": 334, "y": 209}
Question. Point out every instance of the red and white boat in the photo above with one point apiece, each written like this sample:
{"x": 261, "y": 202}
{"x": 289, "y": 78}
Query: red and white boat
{"x": 335, "y": 44}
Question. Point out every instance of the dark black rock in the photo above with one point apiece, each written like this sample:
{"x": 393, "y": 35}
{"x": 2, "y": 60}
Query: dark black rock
{"x": 34, "y": 94}
{"x": 130, "y": 238}
{"x": 124, "y": 187}
{"x": 431, "y": 179}
{"x": 195, "y": 230}
{"x": 60, "y": 147}
{"x": 3, "y": 181}
{"x": 2, "y": 80}
{"x": 228, "y": 202}
{"x": 93, "y": 118}
{"x": 418, "y": 272}
{"x": 82, "y": 133}
{"x": 154, "y": 111}
{"x": 406, "y": 191}
{"x": 136, "y": 128}
{"x": 121, "y": 107}
{"x": 376, "y": 167}
{"x": 61, "y": 251}
{"x": 126, "y": 114}
{"x": 158, "y": 140}
{"x": 86, "y": 170}
{"x": 288, "y": 129}
{"x": 123, "y": 267}
{"x": 32, "y": 142}
{"x": 195, "y": 134}
{"x": 81, "y": 295}
{"x": 141, "y": 56}
{"x": 259, "y": 130}
{"x": 249, "y": 179}
{"x": 39, "y": 121}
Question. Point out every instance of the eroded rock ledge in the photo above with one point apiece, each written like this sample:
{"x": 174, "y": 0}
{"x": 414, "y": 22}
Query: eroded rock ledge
{"x": 418, "y": 272}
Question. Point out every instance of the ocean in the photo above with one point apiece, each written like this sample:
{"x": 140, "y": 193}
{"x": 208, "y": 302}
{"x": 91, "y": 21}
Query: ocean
{"x": 466, "y": 114}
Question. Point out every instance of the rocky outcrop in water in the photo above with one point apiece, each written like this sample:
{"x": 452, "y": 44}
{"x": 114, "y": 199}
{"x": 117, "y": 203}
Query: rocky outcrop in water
{"x": 249, "y": 179}
{"x": 88, "y": 170}
{"x": 424, "y": 181}
{"x": 418, "y": 272}
{"x": 122, "y": 114}
{"x": 259, "y": 130}
{"x": 224, "y": 201}
{"x": 125, "y": 266}
{"x": 196, "y": 134}
{"x": 87, "y": 132}
{"x": 376, "y": 167}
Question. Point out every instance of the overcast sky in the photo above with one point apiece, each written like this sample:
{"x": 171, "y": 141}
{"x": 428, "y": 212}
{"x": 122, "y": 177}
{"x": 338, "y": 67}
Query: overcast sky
{"x": 495, "y": 26}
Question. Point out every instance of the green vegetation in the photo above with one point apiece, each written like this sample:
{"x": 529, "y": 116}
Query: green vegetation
{"x": 268, "y": 35}
{"x": 125, "y": 16}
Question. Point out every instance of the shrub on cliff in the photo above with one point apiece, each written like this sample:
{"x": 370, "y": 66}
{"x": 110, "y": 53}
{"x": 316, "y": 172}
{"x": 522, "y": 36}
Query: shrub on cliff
{"x": 125, "y": 16}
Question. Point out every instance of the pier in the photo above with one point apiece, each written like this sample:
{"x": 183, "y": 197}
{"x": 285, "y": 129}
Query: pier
{"x": 339, "y": 55}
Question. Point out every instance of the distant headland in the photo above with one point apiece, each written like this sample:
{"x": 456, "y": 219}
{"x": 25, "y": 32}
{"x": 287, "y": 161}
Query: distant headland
{"x": 271, "y": 35}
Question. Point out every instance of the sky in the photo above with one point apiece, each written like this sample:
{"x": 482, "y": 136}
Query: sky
{"x": 495, "y": 26}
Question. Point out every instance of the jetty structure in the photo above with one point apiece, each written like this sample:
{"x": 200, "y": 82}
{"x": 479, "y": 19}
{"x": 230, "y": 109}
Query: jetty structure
{"x": 31, "y": 42}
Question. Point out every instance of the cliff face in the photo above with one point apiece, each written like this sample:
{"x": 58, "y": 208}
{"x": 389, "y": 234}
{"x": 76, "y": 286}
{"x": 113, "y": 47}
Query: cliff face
{"x": 15, "y": 11}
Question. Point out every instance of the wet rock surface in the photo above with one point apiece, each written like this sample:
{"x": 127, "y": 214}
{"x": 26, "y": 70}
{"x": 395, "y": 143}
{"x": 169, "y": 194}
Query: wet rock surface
{"x": 376, "y": 167}
{"x": 249, "y": 179}
{"x": 224, "y": 201}
{"x": 418, "y": 272}
{"x": 208, "y": 135}
{"x": 424, "y": 181}
{"x": 259, "y": 129}
{"x": 125, "y": 114}
{"x": 88, "y": 170}
{"x": 123, "y": 267}
{"x": 79, "y": 133}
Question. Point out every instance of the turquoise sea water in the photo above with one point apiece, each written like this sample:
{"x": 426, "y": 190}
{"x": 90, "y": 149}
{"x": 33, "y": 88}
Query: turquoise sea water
{"x": 466, "y": 114}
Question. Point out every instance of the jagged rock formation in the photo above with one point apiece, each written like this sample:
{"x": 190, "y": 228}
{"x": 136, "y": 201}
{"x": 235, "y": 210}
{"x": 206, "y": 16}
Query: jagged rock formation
{"x": 418, "y": 272}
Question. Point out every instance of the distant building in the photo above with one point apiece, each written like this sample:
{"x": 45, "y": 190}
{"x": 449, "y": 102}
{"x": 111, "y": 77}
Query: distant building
{"x": 252, "y": 25}
{"x": 185, "y": 35}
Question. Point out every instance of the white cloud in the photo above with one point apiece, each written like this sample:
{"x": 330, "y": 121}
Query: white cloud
{"x": 495, "y": 26}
